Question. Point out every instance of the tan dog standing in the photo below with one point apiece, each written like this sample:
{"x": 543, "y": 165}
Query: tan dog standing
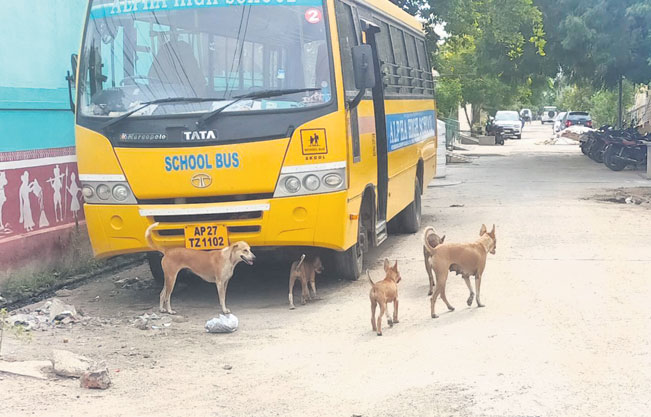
{"x": 430, "y": 241}
{"x": 465, "y": 259}
{"x": 382, "y": 293}
{"x": 212, "y": 266}
{"x": 305, "y": 271}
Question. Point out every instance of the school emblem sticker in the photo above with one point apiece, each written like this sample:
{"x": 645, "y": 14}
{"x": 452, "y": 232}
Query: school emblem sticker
{"x": 314, "y": 142}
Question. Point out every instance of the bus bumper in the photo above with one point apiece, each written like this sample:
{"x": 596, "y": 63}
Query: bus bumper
{"x": 320, "y": 220}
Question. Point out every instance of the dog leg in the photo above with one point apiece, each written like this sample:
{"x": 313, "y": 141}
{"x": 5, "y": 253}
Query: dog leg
{"x": 478, "y": 286}
{"x": 395, "y": 311}
{"x": 165, "y": 301}
{"x": 305, "y": 293}
{"x": 428, "y": 268}
{"x": 373, "y": 306}
{"x": 221, "y": 293}
{"x": 313, "y": 285}
{"x": 445, "y": 299}
{"x": 471, "y": 297}
{"x": 383, "y": 308}
{"x": 292, "y": 281}
{"x": 433, "y": 300}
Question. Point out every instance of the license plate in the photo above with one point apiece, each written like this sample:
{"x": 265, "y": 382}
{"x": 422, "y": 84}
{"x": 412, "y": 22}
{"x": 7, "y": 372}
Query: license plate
{"x": 206, "y": 236}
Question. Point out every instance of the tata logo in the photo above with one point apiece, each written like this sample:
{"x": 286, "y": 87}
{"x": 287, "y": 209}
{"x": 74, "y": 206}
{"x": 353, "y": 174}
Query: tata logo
{"x": 201, "y": 180}
{"x": 199, "y": 135}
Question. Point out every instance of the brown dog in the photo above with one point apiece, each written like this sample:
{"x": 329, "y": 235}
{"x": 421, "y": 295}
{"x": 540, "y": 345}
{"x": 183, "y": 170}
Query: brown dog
{"x": 430, "y": 241}
{"x": 212, "y": 266}
{"x": 305, "y": 271}
{"x": 382, "y": 293}
{"x": 465, "y": 259}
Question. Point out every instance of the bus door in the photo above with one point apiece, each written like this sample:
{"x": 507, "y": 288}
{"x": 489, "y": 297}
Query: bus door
{"x": 370, "y": 30}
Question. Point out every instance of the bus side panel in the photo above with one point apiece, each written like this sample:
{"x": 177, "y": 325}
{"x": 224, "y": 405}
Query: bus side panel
{"x": 403, "y": 162}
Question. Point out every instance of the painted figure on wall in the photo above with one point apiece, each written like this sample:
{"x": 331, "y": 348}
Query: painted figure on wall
{"x": 56, "y": 182}
{"x": 25, "y": 205}
{"x": 74, "y": 190}
{"x": 3, "y": 197}
{"x": 38, "y": 192}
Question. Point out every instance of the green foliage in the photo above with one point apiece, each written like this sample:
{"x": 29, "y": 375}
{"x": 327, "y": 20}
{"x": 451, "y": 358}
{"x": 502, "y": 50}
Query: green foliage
{"x": 596, "y": 42}
{"x": 601, "y": 103}
{"x": 17, "y": 331}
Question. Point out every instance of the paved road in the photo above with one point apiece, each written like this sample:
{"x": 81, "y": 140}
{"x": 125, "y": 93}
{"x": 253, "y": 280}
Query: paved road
{"x": 565, "y": 331}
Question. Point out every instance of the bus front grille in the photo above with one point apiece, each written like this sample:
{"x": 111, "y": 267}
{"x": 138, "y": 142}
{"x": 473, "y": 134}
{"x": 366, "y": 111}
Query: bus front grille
{"x": 200, "y": 218}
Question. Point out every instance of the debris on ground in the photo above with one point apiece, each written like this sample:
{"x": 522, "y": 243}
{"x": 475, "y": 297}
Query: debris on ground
{"x": 32, "y": 369}
{"x": 68, "y": 364}
{"x": 223, "y": 324}
{"x": 631, "y": 196}
{"x": 133, "y": 283}
{"x": 95, "y": 379}
{"x": 557, "y": 140}
{"x": 228, "y": 367}
{"x": 146, "y": 322}
{"x": 453, "y": 158}
{"x": 63, "y": 293}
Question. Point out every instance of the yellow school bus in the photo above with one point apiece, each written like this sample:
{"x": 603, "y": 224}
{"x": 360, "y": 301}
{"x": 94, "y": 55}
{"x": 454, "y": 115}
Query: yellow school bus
{"x": 283, "y": 123}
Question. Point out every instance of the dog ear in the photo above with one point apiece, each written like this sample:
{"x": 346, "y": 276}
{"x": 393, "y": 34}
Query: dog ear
{"x": 492, "y": 233}
{"x": 443, "y": 239}
{"x": 387, "y": 265}
{"x": 395, "y": 266}
{"x": 482, "y": 231}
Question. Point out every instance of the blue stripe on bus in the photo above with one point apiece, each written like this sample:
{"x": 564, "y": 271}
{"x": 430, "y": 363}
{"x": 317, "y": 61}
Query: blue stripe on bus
{"x": 404, "y": 129}
{"x": 122, "y": 7}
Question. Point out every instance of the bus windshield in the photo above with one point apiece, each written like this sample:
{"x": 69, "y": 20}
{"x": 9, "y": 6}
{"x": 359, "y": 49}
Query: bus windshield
{"x": 137, "y": 51}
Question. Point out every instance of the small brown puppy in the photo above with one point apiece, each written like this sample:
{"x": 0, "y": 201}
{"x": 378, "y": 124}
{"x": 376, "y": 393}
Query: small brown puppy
{"x": 382, "y": 293}
{"x": 212, "y": 266}
{"x": 465, "y": 259}
{"x": 430, "y": 240}
{"x": 305, "y": 271}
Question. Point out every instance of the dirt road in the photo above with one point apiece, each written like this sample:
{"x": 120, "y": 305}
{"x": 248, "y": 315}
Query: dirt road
{"x": 565, "y": 331}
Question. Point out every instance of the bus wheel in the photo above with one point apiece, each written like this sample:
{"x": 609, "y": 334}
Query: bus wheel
{"x": 410, "y": 216}
{"x": 155, "y": 267}
{"x": 350, "y": 263}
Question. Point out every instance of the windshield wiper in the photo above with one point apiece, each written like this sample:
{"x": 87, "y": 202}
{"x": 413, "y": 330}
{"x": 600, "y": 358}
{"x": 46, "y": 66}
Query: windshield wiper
{"x": 255, "y": 95}
{"x": 159, "y": 101}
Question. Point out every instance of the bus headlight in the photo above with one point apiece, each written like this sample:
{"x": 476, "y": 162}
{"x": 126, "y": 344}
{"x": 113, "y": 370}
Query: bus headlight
{"x": 312, "y": 182}
{"x": 333, "y": 180}
{"x": 120, "y": 192}
{"x": 88, "y": 192}
{"x": 103, "y": 192}
{"x": 297, "y": 180}
{"x": 292, "y": 184}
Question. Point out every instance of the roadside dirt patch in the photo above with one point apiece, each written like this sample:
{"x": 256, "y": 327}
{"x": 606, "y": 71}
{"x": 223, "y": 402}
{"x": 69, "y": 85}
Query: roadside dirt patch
{"x": 625, "y": 195}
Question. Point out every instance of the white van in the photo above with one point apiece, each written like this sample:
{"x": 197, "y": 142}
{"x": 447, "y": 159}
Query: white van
{"x": 548, "y": 115}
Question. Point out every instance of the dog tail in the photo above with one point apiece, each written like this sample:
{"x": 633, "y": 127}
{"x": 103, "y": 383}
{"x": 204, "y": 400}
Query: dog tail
{"x": 300, "y": 262}
{"x": 149, "y": 240}
{"x": 368, "y": 274}
{"x": 429, "y": 230}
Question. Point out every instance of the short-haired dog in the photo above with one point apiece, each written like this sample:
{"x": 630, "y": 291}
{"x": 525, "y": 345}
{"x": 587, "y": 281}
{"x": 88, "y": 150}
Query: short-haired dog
{"x": 382, "y": 293}
{"x": 305, "y": 270}
{"x": 212, "y": 266}
{"x": 465, "y": 259}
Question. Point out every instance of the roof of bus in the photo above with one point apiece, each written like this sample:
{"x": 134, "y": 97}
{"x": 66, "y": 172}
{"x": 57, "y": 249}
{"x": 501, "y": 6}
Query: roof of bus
{"x": 396, "y": 12}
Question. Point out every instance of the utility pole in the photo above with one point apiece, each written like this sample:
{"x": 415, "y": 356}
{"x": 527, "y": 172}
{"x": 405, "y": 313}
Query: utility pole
{"x": 620, "y": 114}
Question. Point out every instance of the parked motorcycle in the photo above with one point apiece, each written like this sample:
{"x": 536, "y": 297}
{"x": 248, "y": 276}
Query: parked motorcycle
{"x": 500, "y": 136}
{"x": 618, "y": 156}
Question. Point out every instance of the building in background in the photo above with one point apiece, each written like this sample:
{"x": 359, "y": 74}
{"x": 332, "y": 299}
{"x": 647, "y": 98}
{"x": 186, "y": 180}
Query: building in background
{"x": 40, "y": 196}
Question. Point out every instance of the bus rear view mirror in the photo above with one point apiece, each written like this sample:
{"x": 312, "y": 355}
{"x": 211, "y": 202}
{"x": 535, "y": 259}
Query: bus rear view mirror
{"x": 71, "y": 78}
{"x": 363, "y": 67}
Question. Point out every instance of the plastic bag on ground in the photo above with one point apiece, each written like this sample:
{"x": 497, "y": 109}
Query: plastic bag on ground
{"x": 223, "y": 324}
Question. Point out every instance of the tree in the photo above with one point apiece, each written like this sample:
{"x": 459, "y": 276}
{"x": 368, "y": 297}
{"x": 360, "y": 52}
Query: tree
{"x": 599, "y": 41}
{"x": 493, "y": 50}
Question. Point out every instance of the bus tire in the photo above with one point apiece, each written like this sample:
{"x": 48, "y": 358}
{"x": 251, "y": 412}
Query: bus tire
{"x": 411, "y": 215}
{"x": 350, "y": 263}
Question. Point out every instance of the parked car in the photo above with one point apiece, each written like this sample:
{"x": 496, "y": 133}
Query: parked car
{"x": 510, "y": 122}
{"x": 558, "y": 121}
{"x": 548, "y": 115}
{"x": 576, "y": 118}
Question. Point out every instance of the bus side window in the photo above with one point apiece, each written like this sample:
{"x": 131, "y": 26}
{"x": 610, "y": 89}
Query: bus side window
{"x": 385, "y": 52}
{"x": 398, "y": 41}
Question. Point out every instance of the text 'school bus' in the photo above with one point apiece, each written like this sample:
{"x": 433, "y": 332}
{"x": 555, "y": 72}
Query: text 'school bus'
{"x": 284, "y": 123}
